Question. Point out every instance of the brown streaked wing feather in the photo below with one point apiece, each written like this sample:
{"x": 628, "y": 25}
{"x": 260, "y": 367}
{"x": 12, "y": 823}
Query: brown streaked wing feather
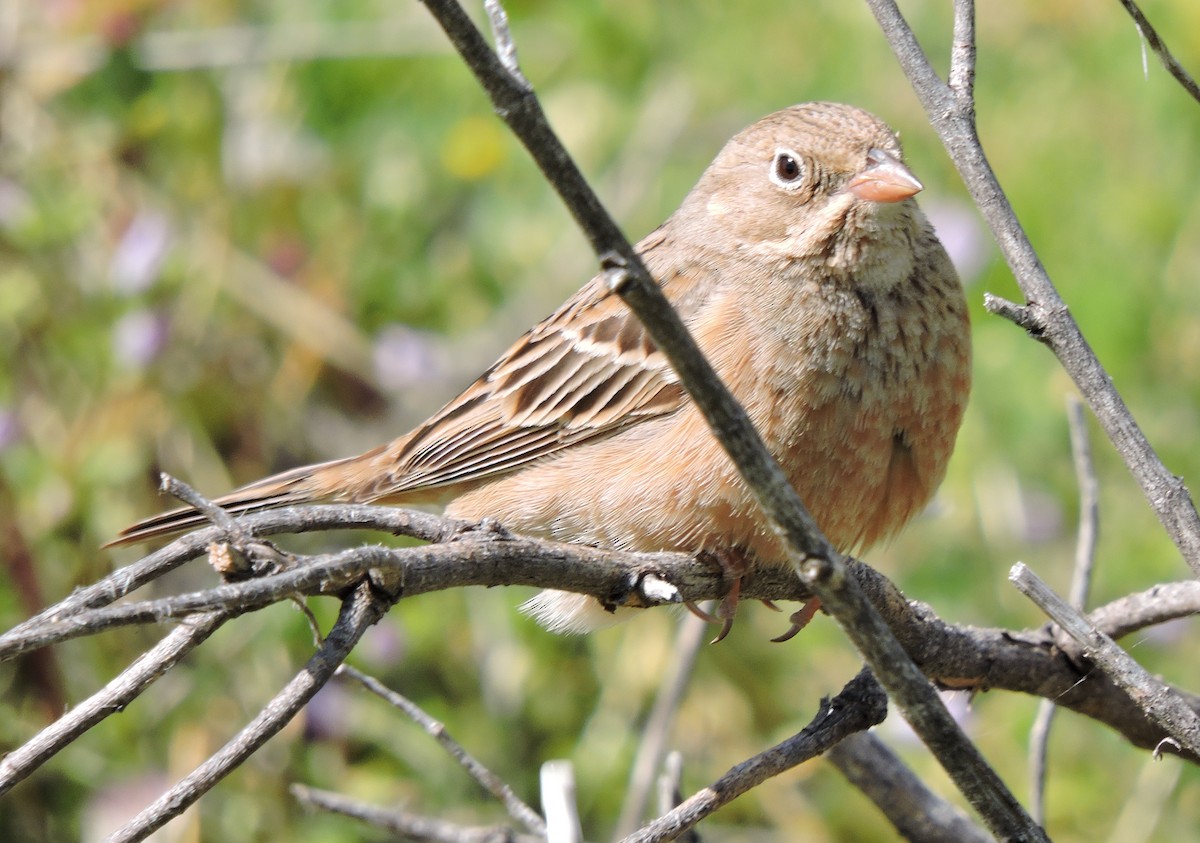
{"x": 583, "y": 374}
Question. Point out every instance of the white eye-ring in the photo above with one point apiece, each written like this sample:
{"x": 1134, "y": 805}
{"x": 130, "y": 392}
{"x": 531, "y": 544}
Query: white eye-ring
{"x": 787, "y": 169}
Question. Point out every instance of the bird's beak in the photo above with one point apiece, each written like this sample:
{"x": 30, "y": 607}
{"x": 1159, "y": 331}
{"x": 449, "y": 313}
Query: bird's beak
{"x": 884, "y": 179}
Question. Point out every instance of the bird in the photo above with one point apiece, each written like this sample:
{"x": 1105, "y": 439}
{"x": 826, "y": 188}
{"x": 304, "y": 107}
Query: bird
{"x": 821, "y": 295}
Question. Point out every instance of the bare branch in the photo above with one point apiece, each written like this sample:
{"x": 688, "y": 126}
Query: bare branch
{"x": 1021, "y": 315}
{"x": 176, "y": 488}
{"x": 1160, "y": 49}
{"x": 480, "y": 558}
{"x": 359, "y": 611}
{"x": 1089, "y": 506}
{"x": 114, "y": 697}
{"x": 917, "y": 812}
{"x": 238, "y": 554}
{"x": 412, "y": 826}
{"x": 859, "y": 705}
{"x": 1156, "y": 605}
{"x": 629, "y": 278}
{"x": 921, "y": 706}
{"x": 1081, "y": 582}
{"x": 492, "y": 783}
{"x": 1029, "y": 662}
{"x": 398, "y": 522}
{"x": 1160, "y": 703}
{"x": 1045, "y": 316}
{"x": 962, "y": 55}
{"x": 515, "y": 102}
{"x": 1039, "y": 740}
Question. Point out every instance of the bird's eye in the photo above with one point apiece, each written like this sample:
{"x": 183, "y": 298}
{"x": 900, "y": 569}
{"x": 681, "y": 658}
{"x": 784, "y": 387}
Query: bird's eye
{"x": 786, "y": 169}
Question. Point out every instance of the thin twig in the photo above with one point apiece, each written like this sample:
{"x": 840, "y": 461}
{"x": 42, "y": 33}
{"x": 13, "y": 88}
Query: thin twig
{"x": 1089, "y": 506}
{"x": 859, "y": 705}
{"x": 962, "y": 55}
{"x": 412, "y": 826}
{"x": 176, "y": 488}
{"x": 670, "y": 791}
{"x": 916, "y": 811}
{"x": 1160, "y": 49}
{"x": 558, "y": 801}
{"x": 1156, "y": 605}
{"x": 1081, "y": 582}
{"x": 653, "y": 744}
{"x": 238, "y": 554}
{"x": 506, "y": 48}
{"x": 1166, "y": 708}
{"x": 112, "y": 698}
{"x": 359, "y": 611}
{"x": 1039, "y": 741}
{"x": 1045, "y": 315}
{"x": 490, "y": 782}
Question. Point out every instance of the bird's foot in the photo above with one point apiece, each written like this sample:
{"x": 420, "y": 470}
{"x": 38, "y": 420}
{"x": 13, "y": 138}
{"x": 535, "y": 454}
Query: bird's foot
{"x": 734, "y": 566}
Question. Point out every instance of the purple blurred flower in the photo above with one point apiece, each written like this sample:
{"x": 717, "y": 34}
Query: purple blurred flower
{"x": 957, "y": 226}
{"x": 406, "y": 357}
{"x": 138, "y": 337}
{"x": 957, "y": 702}
{"x": 139, "y": 255}
{"x": 326, "y": 715}
{"x": 10, "y": 427}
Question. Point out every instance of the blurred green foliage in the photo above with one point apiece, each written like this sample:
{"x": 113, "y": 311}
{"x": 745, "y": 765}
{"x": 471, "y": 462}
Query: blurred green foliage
{"x": 227, "y": 251}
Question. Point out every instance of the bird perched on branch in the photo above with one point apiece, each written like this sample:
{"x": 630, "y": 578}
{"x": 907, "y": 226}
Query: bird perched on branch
{"x": 818, "y": 291}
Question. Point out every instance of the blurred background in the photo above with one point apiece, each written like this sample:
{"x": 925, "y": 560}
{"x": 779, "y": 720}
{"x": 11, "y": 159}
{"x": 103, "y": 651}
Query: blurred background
{"x": 235, "y": 237}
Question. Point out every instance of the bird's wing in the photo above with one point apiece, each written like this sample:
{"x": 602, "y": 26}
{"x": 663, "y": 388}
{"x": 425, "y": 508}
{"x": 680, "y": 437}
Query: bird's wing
{"x": 584, "y": 373}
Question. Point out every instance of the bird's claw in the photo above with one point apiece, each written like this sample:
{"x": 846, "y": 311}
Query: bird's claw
{"x": 700, "y": 613}
{"x": 800, "y": 619}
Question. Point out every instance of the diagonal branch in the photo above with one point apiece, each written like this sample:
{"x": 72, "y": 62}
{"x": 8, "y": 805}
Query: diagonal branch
{"x": 359, "y": 611}
{"x": 1169, "y": 710}
{"x": 1044, "y": 315}
{"x": 859, "y": 705}
{"x": 113, "y": 698}
{"x": 1160, "y": 49}
{"x": 492, "y": 783}
{"x": 924, "y": 710}
{"x": 411, "y": 826}
{"x": 917, "y": 812}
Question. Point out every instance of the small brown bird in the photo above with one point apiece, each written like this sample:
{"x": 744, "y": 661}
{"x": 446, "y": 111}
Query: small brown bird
{"x": 824, "y": 300}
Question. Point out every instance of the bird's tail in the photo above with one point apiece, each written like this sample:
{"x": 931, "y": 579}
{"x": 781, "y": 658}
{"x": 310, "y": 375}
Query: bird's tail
{"x": 307, "y": 484}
